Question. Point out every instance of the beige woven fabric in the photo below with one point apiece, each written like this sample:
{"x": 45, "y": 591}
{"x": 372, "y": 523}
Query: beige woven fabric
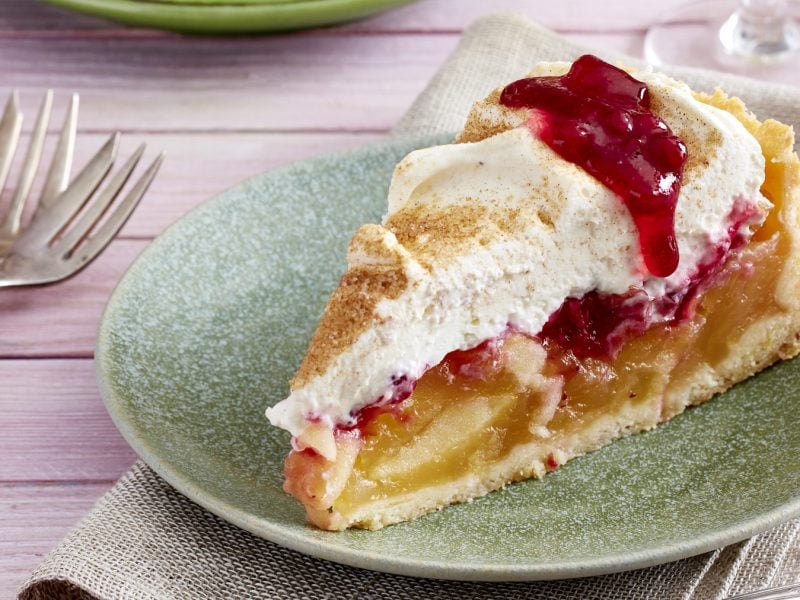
{"x": 503, "y": 47}
{"x": 145, "y": 541}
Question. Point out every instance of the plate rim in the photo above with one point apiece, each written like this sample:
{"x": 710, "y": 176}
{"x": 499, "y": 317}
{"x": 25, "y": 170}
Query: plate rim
{"x": 314, "y": 546}
{"x": 211, "y": 19}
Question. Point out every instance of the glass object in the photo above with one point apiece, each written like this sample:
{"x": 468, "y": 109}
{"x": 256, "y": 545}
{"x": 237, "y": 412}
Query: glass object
{"x": 757, "y": 38}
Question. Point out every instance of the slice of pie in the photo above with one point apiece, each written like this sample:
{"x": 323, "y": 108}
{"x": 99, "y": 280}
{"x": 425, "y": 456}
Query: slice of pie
{"x": 599, "y": 251}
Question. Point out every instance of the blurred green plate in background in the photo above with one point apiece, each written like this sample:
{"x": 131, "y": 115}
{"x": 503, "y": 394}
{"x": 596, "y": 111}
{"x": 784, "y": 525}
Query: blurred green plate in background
{"x": 216, "y": 17}
{"x": 208, "y": 326}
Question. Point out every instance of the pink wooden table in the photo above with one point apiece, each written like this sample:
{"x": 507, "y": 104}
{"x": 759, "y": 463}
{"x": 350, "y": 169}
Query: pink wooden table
{"x": 222, "y": 109}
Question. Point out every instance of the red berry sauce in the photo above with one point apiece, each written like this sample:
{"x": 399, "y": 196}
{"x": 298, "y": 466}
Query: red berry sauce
{"x": 597, "y": 117}
{"x": 402, "y": 386}
{"x": 597, "y": 325}
{"x": 478, "y": 363}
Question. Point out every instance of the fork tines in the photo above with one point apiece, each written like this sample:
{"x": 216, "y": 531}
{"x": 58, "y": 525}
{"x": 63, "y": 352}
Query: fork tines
{"x": 58, "y": 173}
{"x": 44, "y": 230}
{"x": 72, "y": 223}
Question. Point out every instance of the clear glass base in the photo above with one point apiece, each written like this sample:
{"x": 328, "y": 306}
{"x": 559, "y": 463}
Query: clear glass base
{"x": 725, "y": 35}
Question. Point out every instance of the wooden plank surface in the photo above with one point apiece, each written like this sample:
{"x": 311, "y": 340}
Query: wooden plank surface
{"x": 55, "y": 427}
{"x": 61, "y": 320}
{"x": 284, "y": 83}
{"x": 281, "y": 83}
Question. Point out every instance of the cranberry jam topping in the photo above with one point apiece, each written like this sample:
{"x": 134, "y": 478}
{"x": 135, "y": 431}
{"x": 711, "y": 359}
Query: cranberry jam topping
{"x": 598, "y": 325}
{"x": 597, "y": 117}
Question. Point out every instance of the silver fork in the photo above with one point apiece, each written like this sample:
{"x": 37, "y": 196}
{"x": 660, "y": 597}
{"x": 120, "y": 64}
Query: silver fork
{"x": 66, "y": 233}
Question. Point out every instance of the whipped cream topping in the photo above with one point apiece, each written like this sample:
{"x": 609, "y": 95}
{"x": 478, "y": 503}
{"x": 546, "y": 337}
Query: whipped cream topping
{"x": 499, "y": 233}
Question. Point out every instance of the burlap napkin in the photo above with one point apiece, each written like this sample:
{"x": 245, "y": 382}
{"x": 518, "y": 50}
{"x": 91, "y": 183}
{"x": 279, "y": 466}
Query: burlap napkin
{"x": 144, "y": 540}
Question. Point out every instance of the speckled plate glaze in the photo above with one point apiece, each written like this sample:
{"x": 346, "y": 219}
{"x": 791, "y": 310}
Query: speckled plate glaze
{"x": 211, "y": 321}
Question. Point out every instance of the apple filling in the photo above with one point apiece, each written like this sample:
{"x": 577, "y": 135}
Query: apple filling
{"x": 534, "y": 398}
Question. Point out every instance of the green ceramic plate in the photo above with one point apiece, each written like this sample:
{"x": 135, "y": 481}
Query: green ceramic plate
{"x": 218, "y": 17}
{"x": 210, "y": 323}
{"x": 225, "y": 2}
